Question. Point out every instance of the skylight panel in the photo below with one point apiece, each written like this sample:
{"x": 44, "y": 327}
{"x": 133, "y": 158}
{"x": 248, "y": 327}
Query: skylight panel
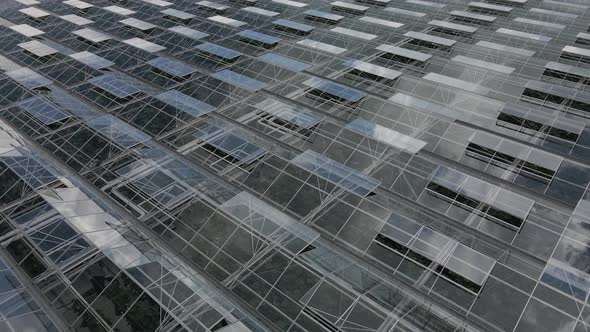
{"x": 349, "y": 7}
{"x": 540, "y": 23}
{"x": 239, "y": 80}
{"x": 117, "y": 131}
{"x": 119, "y": 10}
{"x": 34, "y": 12}
{"x": 291, "y": 3}
{"x": 425, "y": 106}
{"x": 373, "y": 70}
{"x": 322, "y": 46}
{"x": 576, "y": 52}
{"x": 28, "y": 78}
{"x": 404, "y": 12}
{"x": 171, "y": 67}
{"x": 453, "y": 26}
{"x": 386, "y": 135}
{"x": 427, "y": 3}
{"x": 144, "y": 45}
{"x": 260, "y": 11}
{"x": 455, "y": 82}
{"x": 42, "y": 109}
{"x": 568, "y": 4}
{"x": 430, "y": 38}
{"x": 404, "y": 52}
{"x": 188, "y": 32}
{"x": 177, "y": 14}
{"x": 483, "y": 64}
{"x": 504, "y": 48}
{"x": 114, "y": 86}
{"x": 354, "y": 33}
{"x": 26, "y": 30}
{"x": 78, "y": 20}
{"x": 92, "y": 60}
{"x": 552, "y": 12}
{"x": 323, "y": 16}
{"x": 289, "y": 113}
{"x": 138, "y": 24}
{"x": 219, "y": 51}
{"x": 490, "y": 7}
{"x": 330, "y": 90}
{"x": 522, "y": 34}
{"x": 230, "y": 144}
{"x": 470, "y": 264}
{"x": 470, "y": 16}
{"x": 28, "y": 2}
{"x": 258, "y": 38}
{"x": 583, "y": 38}
{"x": 185, "y": 103}
{"x": 78, "y": 4}
{"x": 37, "y": 48}
{"x": 293, "y": 26}
{"x": 533, "y": 124}
{"x": 213, "y": 6}
{"x": 266, "y": 219}
{"x": 30, "y": 170}
{"x": 284, "y": 62}
{"x": 336, "y": 172}
{"x": 374, "y": 20}
{"x": 159, "y": 3}
{"x": 567, "y": 69}
{"x": 92, "y": 35}
{"x": 227, "y": 21}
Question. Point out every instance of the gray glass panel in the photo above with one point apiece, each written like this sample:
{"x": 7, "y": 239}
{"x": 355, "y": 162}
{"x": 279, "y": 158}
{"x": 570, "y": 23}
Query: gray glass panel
{"x": 323, "y": 15}
{"x": 293, "y": 25}
{"x": 405, "y": 12}
{"x": 118, "y": 131}
{"x": 424, "y": 105}
{"x": 138, "y": 24}
{"x": 260, "y": 11}
{"x": 430, "y": 38}
{"x": 349, "y": 6}
{"x": 473, "y": 16}
{"x": 171, "y": 67}
{"x": 386, "y": 135}
{"x": 28, "y": 78}
{"x": 114, "y": 86}
{"x": 230, "y": 144}
{"x": 92, "y": 35}
{"x": 406, "y": 53}
{"x": 239, "y": 80}
{"x": 284, "y": 62}
{"x": 177, "y": 14}
{"x": 37, "y": 48}
{"x": 188, "y": 32}
{"x": 505, "y": 48}
{"x": 185, "y": 103}
{"x": 576, "y": 51}
{"x": 42, "y": 109}
{"x": 568, "y": 69}
{"x": 489, "y": 6}
{"x": 522, "y": 34}
{"x": 354, "y": 33}
{"x": 453, "y": 26}
{"x": 335, "y": 89}
{"x": 372, "y": 69}
{"x": 289, "y": 113}
{"x": 219, "y": 51}
{"x": 92, "y": 60}
{"x": 338, "y": 173}
{"x": 259, "y": 37}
